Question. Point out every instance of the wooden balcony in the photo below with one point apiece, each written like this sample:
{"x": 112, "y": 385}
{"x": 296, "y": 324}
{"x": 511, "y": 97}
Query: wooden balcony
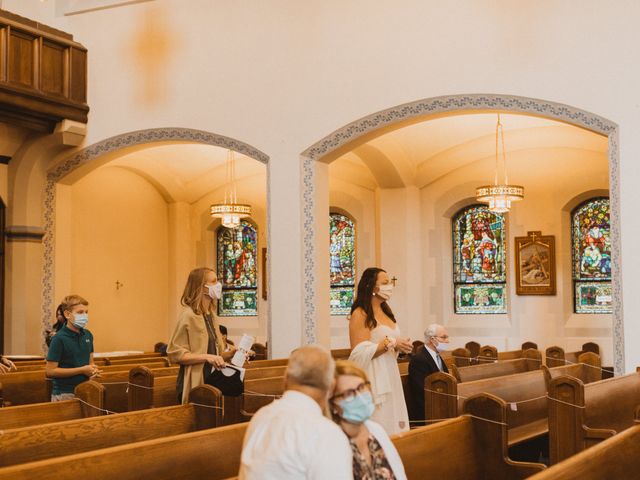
{"x": 43, "y": 75}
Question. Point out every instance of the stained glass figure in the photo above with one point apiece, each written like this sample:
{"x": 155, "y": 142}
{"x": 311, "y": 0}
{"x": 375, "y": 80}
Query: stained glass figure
{"x": 342, "y": 267}
{"x": 591, "y": 255}
{"x": 479, "y": 261}
{"x": 238, "y": 270}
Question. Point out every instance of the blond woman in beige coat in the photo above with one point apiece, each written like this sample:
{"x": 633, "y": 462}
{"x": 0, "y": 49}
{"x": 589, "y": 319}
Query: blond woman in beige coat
{"x": 196, "y": 342}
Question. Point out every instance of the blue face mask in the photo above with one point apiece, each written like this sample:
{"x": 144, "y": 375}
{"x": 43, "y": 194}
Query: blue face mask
{"x": 80, "y": 320}
{"x": 357, "y": 409}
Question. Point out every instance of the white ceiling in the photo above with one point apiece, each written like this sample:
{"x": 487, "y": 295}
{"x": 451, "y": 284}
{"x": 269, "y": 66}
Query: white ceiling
{"x": 186, "y": 172}
{"x": 421, "y": 153}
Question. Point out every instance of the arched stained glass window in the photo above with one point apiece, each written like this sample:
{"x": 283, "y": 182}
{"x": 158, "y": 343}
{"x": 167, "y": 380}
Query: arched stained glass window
{"x": 238, "y": 270}
{"x": 479, "y": 261}
{"x": 591, "y": 255}
{"x": 342, "y": 253}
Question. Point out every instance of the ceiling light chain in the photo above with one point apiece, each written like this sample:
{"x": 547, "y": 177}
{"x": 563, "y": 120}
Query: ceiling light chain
{"x": 499, "y": 196}
{"x": 230, "y": 211}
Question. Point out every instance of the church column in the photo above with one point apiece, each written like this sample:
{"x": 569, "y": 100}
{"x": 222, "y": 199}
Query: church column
{"x": 284, "y": 254}
{"x": 401, "y": 248}
{"x": 321, "y": 214}
{"x": 181, "y": 260}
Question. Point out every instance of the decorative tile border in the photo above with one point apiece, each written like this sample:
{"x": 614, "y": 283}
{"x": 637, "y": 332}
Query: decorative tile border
{"x": 113, "y": 144}
{"x": 460, "y": 103}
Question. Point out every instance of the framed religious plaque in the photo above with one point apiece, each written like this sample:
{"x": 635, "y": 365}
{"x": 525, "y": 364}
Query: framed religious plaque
{"x": 535, "y": 264}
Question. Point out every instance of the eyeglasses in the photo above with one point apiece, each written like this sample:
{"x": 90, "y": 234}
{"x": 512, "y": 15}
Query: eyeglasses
{"x": 442, "y": 337}
{"x": 352, "y": 392}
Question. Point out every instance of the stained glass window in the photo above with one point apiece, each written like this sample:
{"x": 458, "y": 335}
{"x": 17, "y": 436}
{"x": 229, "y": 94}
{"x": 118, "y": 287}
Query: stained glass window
{"x": 342, "y": 253}
{"x": 479, "y": 261}
{"x": 591, "y": 255}
{"x": 238, "y": 270}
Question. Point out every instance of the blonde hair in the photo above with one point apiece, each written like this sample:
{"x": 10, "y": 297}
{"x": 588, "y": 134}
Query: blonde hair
{"x": 192, "y": 297}
{"x": 194, "y": 291}
{"x": 71, "y": 301}
{"x": 347, "y": 367}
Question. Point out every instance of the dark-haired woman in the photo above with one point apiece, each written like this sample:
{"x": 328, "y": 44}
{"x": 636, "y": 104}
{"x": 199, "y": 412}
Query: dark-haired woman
{"x": 60, "y": 322}
{"x": 375, "y": 344}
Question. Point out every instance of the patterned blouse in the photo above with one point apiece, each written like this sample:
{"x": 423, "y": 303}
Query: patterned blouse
{"x": 379, "y": 469}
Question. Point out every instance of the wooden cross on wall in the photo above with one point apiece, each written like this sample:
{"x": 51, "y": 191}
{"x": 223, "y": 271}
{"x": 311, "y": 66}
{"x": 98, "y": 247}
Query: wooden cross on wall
{"x": 394, "y": 280}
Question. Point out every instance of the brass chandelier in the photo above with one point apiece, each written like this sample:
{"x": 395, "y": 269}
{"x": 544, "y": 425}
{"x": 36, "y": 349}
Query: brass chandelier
{"x": 230, "y": 211}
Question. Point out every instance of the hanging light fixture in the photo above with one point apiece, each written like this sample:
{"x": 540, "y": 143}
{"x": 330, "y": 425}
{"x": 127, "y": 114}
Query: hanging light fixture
{"x": 230, "y": 211}
{"x": 500, "y": 195}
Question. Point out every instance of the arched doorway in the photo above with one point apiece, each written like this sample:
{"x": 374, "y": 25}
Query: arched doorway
{"x": 89, "y": 158}
{"x": 360, "y": 131}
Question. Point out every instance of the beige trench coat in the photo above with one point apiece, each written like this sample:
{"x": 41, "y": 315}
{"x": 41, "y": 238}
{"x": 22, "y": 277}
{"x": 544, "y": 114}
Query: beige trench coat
{"x": 190, "y": 336}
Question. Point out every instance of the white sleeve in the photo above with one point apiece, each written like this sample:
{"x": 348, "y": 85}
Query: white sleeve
{"x": 331, "y": 457}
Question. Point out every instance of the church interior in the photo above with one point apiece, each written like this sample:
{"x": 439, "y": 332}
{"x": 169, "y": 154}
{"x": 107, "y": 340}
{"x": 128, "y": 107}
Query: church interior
{"x": 479, "y": 152}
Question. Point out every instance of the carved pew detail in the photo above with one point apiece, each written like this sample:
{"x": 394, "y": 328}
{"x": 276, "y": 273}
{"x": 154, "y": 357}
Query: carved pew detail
{"x": 616, "y": 457}
{"x": 480, "y": 450}
{"x": 581, "y": 416}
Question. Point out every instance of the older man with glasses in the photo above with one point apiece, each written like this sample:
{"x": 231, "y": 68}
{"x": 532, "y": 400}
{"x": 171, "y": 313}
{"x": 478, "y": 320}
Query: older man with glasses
{"x": 426, "y": 361}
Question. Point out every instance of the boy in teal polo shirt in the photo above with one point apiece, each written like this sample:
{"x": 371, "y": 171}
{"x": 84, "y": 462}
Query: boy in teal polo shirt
{"x": 70, "y": 357}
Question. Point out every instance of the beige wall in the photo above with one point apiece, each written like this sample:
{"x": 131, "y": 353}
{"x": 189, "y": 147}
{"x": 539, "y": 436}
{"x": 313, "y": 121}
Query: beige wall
{"x": 117, "y": 224}
{"x": 282, "y": 75}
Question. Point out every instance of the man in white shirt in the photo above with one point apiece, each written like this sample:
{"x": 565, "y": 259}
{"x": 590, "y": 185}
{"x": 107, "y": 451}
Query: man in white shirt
{"x": 291, "y": 438}
{"x": 426, "y": 361}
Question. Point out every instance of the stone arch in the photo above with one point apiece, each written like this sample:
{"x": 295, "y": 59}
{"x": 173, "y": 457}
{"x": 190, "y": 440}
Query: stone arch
{"x": 358, "y": 132}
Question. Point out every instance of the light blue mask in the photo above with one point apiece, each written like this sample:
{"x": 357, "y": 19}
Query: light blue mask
{"x": 80, "y": 320}
{"x": 358, "y": 409}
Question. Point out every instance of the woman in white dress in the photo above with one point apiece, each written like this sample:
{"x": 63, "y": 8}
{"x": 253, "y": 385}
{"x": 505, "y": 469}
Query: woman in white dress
{"x": 375, "y": 343}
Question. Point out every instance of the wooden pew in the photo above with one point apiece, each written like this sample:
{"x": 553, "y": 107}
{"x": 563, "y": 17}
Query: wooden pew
{"x": 556, "y": 356}
{"x": 213, "y": 454}
{"x": 474, "y": 350}
{"x": 277, "y": 362}
{"x": 131, "y": 356}
{"x": 159, "y": 361}
{"x": 112, "y": 390}
{"x": 445, "y": 396}
{"x": 41, "y": 442}
{"x": 528, "y": 345}
{"x": 614, "y": 458}
{"x": 460, "y": 357}
{"x": 260, "y": 392}
{"x": 531, "y": 361}
{"x": 151, "y": 388}
{"x": 465, "y": 447}
{"x": 489, "y": 353}
{"x": 588, "y": 369}
{"x": 582, "y": 415}
{"x": 341, "y": 353}
{"x": 264, "y": 372}
{"x": 22, "y": 388}
{"x": 40, "y": 413}
{"x": 106, "y": 368}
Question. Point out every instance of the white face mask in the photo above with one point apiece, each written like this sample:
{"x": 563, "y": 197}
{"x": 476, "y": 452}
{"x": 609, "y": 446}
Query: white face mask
{"x": 214, "y": 291}
{"x": 442, "y": 347}
{"x": 385, "y": 291}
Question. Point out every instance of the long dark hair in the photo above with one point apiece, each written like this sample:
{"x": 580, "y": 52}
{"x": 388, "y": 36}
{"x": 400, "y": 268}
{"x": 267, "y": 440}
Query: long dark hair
{"x": 364, "y": 294}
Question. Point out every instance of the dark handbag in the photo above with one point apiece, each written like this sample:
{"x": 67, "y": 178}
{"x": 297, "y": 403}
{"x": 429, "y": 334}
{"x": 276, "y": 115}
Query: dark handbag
{"x": 231, "y": 386}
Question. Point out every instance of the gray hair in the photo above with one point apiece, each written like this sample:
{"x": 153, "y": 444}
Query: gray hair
{"x": 311, "y": 366}
{"x": 432, "y": 330}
